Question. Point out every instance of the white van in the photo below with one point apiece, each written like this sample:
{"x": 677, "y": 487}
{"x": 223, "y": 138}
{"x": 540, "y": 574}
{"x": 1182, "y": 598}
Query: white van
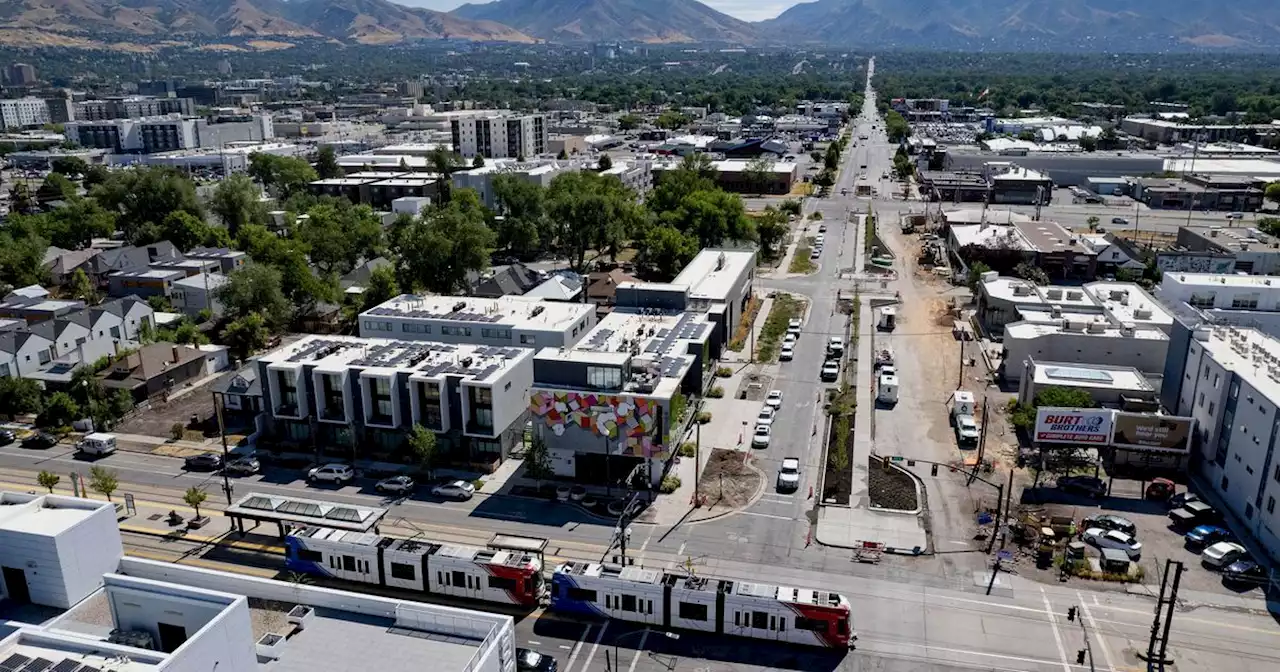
{"x": 97, "y": 443}
{"x": 887, "y": 390}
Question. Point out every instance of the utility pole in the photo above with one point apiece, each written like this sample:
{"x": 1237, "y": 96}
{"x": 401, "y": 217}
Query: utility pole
{"x": 982, "y": 445}
{"x": 697, "y": 457}
{"x": 1167, "y": 601}
{"x": 1074, "y": 613}
{"x": 220, "y": 407}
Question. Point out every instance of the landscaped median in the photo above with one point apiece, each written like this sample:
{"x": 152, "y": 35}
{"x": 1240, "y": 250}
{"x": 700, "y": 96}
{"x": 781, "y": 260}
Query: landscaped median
{"x": 785, "y": 307}
{"x": 800, "y": 261}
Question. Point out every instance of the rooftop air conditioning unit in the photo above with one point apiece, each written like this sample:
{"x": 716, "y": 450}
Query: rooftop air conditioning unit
{"x": 1142, "y": 314}
{"x": 1097, "y": 327}
{"x": 1054, "y": 294}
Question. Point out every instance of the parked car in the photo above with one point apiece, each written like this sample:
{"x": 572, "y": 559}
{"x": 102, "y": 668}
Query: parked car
{"x": 1222, "y": 554}
{"x": 766, "y": 415}
{"x": 1090, "y": 486}
{"x": 395, "y": 485}
{"x": 1107, "y": 521}
{"x": 967, "y": 432}
{"x": 244, "y": 466}
{"x": 761, "y": 437}
{"x": 790, "y": 338}
{"x": 40, "y": 440}
{"x": 459, "y": 490}
{"x": 6, "y": 437}
{"x": 340, "y": 474}
{"x": 789, "y": 474}
{"x": 830, "y": 371}
{"x": 815, "y": 253}
{"x": 1182, "y": 499}
{"x": 1160, "y": 489}
{"x": 793, "y": 326}
{"x": 1114, "y": 539}
{"x": 528, "y": 660}
{"x": 1194, "y": 513}
{"x": 1207, "y": 535}
{"x": 774, "y": 399}
{"x": 1244, "y": 572}
{"x": 835, "y": 346}
{"x": 203, "y": 462}
{"x": 787, "y": 352}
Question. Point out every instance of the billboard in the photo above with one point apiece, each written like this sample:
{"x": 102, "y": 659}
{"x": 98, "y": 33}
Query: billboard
{"x": 1073, "y": 425}
{"x": 1162, "y": 433}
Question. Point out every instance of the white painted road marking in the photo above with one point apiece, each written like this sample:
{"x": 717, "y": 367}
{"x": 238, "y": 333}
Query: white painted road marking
{"x": 765, "y": 515}
{"x": 577, "y": 649}
{"x": 1102, "y": 642}
{"x": 1053, "y": 625}
{"x": 644, "y": 636}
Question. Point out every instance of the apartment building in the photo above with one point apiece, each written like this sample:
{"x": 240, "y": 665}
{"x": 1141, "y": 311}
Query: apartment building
{"x": 28, "y": 112}
{"x": 496, "y": 135}
{"x": 358, "y": 397}
{"x": 132, "y": 107}
{"x": 505, "y": 321}
{"x": 151, "y": 135}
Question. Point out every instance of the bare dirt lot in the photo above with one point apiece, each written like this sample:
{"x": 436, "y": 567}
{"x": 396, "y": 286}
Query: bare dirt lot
{"x": 727, "y": 480}
{"x": 890, "y": 488}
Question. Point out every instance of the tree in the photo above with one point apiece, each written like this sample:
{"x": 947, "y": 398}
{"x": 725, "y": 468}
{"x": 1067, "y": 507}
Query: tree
{"x": 75, "y": 225}
{"x": 80, "y": 287}
{"x": 1272, "y": 192}
{"x": 56, "y": 187}
{"x": 537, "y": 460}
{"x": 896, "y": 127}
{"x": 592, "y": 211}
{"x": 104, "y": 481}
{"x": 48, "y": 480}
{"x": 1269, "y": 225}
{"x": 523, "y": 228}
{"x": 422, "y": 442}
{"x": 975, "y": 275}
{"x": 712, "y": 216}
{"x": 628, "y": 122}
{"x": 1063, "y": 397}
{"x": 1034, "y": 274}
{"x": 477, "y": 162}
{"x": 71, "y": 166}
{"x": 1093, "y": 222}
{"x": 382, "y": 287}
{"x": 186, "y": 231}
{"x": 20, "y": 396}
{"x": 283, "y": 176}
{"x": 771, "y": 227}
{"x": 255, "y": 289}
{"x": 23, "y": 201}
{"x": 791, "y": 207}
{"x": 246, "y": 335}
{"x": 758, "y": 173}
{"x": 444, "y": 164}
{"x": 695, "y": 173}
{"x": 671, "y": 120}
{"x": 667, "y": 250}
{"x": 143, "y": 197}
{"x": 194, "y": 497}
{"x": 60, "y": 411}
{"x": 22, "y": 260}
{"x": 1088, "y": 143}
{"x": 1027, "y": 135}
{"x": 237, "y": 202}
{"x": 338, "y": 236}
{"x": 438, "y": 249}
{"x": 605, "y": 163}
{"x": 562, "y": 155}
{"x": 160, "y": 304}
{"x": 327, "y": 163}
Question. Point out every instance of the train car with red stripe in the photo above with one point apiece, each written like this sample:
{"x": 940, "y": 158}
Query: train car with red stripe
{"x": 485, "y": 574}
{"x": 721, "y": 606}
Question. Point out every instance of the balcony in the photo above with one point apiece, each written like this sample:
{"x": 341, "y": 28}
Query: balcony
{"x": 334, "y": 411}
{"x": 287, "y": 411}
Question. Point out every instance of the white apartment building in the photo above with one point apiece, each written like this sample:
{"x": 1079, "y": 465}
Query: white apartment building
{"x": 1231, "y": 386}
{"x": 507, "y": 321}
{"x": 496, "y": 135}
{"x": 23, "y": 112}
{"x": 360, "y": 396}
{"x": 1240, "y": 300}
{"x": 481, "y": 179}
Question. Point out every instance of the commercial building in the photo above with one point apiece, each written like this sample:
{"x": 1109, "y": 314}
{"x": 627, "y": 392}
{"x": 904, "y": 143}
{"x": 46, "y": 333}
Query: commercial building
{"x": 131, "y": 107}
{"x": 481, "y": 179}
{"x": 20, "y": 74}
{"x": 635, "y": 175}
{"x": 1011, "y": 183}
{"x": 1101, "y": 323}
{"x": 603, "y": 406}
{"x": 1122, "y": 387}
{"x": 165, "y": 134}
{"x": 379, "y": 189}
{"x": 718, "y": 282}
{"x": 505, "y": 321}
{"x": 1050, "y": 246}
{"x": 1230, "y": 383}
{"x": 1214, "y": 249}
{"x": 1228, "y": 193}
{"x": 495, "y": 135}
{"x": 1225, "y": 298}
{"x": 734, "y": 175}
{"x": 1167, "y": 132}
{"x": 101, "y": 610}
{"x": 358, "y": 397}
{"x": 29, "y": 112}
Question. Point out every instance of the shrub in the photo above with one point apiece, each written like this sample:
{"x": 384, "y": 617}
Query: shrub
{"x": 177, "y": 431}
{"x": 688, "y": 449}
{"x": 724, "y": 371}
{"x": 704, "y": 417}
{"x": 716, "y": 392}
{"x": 669, "y": 485}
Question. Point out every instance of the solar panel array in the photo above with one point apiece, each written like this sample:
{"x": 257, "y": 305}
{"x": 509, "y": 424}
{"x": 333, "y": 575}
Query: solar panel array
{"x": 459, "y": 315}
{"x": 20, "y": 663}
{"x": 403, "y": 354}
{"x": 599, "y": 340}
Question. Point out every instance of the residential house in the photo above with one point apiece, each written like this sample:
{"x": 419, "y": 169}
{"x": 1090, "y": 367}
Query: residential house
{"x": 228, "y": 260}
{"x": 130, "y": 258}
{"x": 62, "y": 264}
{"x": 23, "y": 353}
{"x": 360, "y": 275}
{"x": 155, "y": 369}
{"x": 196, "y": 293}
{"x": 145, "y": 283}
{"x": 35, "y": 310}
{"x": 513, "y": 280}
{"x": 602, "y": 287}
{"x": 559, "y": 287}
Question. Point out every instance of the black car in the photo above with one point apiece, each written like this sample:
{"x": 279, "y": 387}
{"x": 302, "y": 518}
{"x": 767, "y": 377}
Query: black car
{"x": 528, "y": 660}
{"x": 1107, "y": 521}
{"x": 1182, "y": 499}
{"x": 40, "y": 440}
{"x": 1090, "y": 486}
{"x": 203, "y": 462}
{"x": 1244, "y": 572}
{"x": 6, "y": 437}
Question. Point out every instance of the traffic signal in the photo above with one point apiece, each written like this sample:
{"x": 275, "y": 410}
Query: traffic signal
{"x": 885, "y": 461}
{"x": 934, "y": 471}
{"x": 1080, "y": 657}
{"x": 1071, "y": 614}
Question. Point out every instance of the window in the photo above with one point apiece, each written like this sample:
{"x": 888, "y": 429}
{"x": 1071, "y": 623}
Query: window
{"x": 604, "y": 378}
{"x": 402, "y": 571}
{"x": 528, "y": 339}
{"x": 760, "y": 620}
{"x": 1271, "y": 504}
{"x": 503, "y": 334}
{"x": 1245, "y": 301}
{"x": 1202, "y": 301}
{"x": 1248, "y": 511}
{"x": 483, "y": 418}
{"x": 115, "y": 332}
{"x": 482, "y": 396}
{"x": 1234, "y": 389}
{"x": 1216, "y": 379}
{"x": 348, "y": 563}
{"x": 1211, "y": 409}
{"x": 1201, "y": 400}
{"x": 1206, "y": 372}
{"x": 1225, "y": 482}
{"x": 628, "y": 602}
{"x": 582, "y": 594}
{"x": 310, "y": 555}
{"x": 502, "y": 583}
{"x": 459, "y": 579}
{"x": 4, "y": 371}
{"x": 1277, "y": 474}
{"x": 410, "y": 328}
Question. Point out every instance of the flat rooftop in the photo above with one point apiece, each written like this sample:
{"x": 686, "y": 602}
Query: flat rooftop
{"x": 1095, "y": 377}
{"x": 1251, "y": 354}
{"x": 342, "y": 641}
{"x": 1215, "y": 280}
{"x": 1129, "y": 304}
{"x": 336, "y": 354}
{"x": 1236, "y": 239}
{"x": 713, "y": 273}
{"x": 508, "y": 311}
{"x": 989, "y": 235}
{"x": 1051, "y": 237}
{"x": 44, "y": 514}
{"x": 1030, "y": 330}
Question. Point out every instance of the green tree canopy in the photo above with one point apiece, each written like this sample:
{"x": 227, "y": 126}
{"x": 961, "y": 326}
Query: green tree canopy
{"x": 56, "y": 187}
{"x": 592, "y": 211}
{"x": 246, "y": 335}
{"x": 283, "y": 176}
{"x": 667, "y": 250}
{"x": 712, "y": 216}
{"x": 237, "y": 203}
{"x": 327, "y": 163}
{"x": 20, "y": 396}
{"x": 255, "y": 288}
{"x": 438, "y": 249}
{"x": 523, "y": 228}
{"x": 71, "y": 166}
{"x": 337, "y": 237}
{"x": 146, "y": 196}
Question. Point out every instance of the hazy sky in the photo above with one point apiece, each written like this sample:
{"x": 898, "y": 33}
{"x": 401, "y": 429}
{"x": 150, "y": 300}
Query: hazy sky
{"x": 747, "y": 10}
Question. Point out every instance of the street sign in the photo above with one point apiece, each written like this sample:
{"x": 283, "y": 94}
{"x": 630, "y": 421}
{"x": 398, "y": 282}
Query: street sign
{"x": 1004, "y": 555}
{"x": 898, "y": 458}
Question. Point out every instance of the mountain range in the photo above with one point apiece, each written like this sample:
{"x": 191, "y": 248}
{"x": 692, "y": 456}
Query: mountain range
{"x": 1004, "y": 25}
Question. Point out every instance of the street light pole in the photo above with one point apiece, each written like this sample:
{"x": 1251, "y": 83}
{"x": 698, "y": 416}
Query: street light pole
{"x": 219, "y": 406}
{"x": 644, "y": 634}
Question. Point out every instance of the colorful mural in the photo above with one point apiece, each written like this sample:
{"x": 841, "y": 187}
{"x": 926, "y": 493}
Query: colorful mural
{"x": 630, "y": 420}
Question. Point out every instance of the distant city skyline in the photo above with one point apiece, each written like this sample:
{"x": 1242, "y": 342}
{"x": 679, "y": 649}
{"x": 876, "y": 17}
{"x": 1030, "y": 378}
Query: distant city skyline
{"x": 747, "y": 10}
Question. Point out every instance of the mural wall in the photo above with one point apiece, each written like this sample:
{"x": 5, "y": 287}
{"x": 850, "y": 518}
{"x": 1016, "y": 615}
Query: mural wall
{"x": 626, "y": 420}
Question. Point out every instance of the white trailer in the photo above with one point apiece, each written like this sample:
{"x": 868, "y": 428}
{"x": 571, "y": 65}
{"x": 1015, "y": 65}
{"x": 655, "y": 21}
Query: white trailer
{"x": 887, "y": 389}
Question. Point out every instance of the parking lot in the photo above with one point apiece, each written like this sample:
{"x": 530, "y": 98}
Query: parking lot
{"x": 1161, "y": 540}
